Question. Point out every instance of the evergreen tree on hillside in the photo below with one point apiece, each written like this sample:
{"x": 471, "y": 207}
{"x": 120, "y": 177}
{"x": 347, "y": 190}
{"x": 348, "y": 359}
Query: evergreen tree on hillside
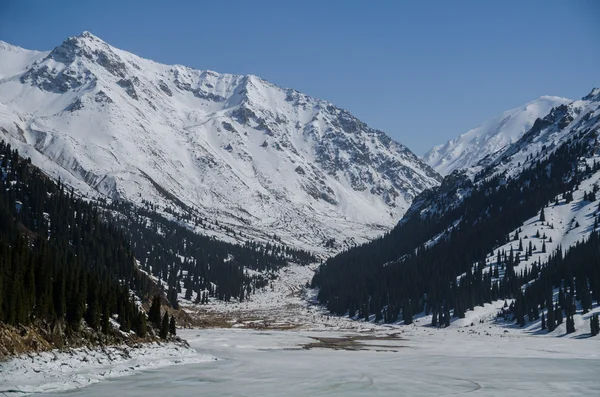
{"x": 154, "y": 312}
{"x": 172, "y": 326}
{"x": 594, "y": 325}
{"x": 164, "y": 327}
{"x": 570, "y": 325}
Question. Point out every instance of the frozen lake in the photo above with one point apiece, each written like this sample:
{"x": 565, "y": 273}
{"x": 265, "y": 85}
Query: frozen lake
{"x": 274, "y": 363}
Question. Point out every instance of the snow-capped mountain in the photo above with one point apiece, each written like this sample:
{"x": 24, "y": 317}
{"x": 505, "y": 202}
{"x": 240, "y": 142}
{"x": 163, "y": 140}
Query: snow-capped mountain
{"x": 557, "y": 128}
{"x": 490, "y": 137}
{"x": 263, "y": 159}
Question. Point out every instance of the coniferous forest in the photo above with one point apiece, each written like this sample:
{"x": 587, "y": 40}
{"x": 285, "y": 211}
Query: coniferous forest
{"x": 399, "y": 275}
{"x": 59, "y": 262}
{"x": 67, "y": 262}
{"x": 199, "y": 266}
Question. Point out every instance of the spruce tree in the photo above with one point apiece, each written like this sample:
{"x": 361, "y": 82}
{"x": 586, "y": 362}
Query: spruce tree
{"x": 551, "y": 322}
{"x": 164, "y": 327}
{"x": 105, "y": 321}
{"x": 447, "y": 316}
{"x": 570, "y": 325}
{"x": 172, "y": 327}
{"x": 154, "y": 313}
{"x": 559, "y": 316}
{"x": 594, "y": 325}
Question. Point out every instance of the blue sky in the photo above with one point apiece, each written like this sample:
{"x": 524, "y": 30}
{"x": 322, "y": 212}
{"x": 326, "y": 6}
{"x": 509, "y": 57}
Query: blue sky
{"x": 422, "y": 71}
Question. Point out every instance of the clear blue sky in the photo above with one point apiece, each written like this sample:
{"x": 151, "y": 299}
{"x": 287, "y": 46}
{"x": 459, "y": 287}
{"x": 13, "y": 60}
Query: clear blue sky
{"x": 422, "y": 71}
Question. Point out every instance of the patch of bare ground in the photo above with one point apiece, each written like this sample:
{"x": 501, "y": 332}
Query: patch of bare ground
{"x": 41, "y": 337}
{"x": 355, "y": 342}
{"x": 206, "y": 318}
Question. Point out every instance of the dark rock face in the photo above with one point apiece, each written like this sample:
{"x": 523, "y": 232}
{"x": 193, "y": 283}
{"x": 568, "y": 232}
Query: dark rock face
{"x": 165, "y": 88}
{"x": 349, "y": 149}
{"x": 197, "y": 92}
{"x": 52, "y": 81}
{"x": 129, "y": 87}
{"x": 101, "y": 97}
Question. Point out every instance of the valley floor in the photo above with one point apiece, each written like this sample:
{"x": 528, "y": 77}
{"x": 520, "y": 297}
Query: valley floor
{"x": 289, "y": 304}
{"x": 287, "y": 363}
{"x": 280, "y": 343}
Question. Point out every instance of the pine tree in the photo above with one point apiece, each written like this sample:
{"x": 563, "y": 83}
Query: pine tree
{"x": 559, "y": 316}
{"x": 594, "y": 325}
{"x": 154, "y": 312}
{"x": 570, "y": 325}
{"x": 105, "y": 321}
{"x": 172, "y": 327}
{"x": 542, "y": 215}
{"x": 164, "y": 327}
{"x": 447, "y": 316}
{"x": 550, "y": 322}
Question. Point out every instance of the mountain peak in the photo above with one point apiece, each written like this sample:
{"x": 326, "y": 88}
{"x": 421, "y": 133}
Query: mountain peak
{"x": 593, "y": 95}
{"x": 233, "y": 147}
{"x": 87, "y": 34}
{"x": 469, "y": 148}
{"x": 85, "y": 41}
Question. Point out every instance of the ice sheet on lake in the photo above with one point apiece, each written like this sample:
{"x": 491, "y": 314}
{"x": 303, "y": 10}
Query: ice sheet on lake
{"x": 61, "y": 371}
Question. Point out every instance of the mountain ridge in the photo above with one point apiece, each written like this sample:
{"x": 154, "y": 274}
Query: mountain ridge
{"x": 469, "y": 148}
{"x": 263, "y": 159}
{"x": 497, "y": 231}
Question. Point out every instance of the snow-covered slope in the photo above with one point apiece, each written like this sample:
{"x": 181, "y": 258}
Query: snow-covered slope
{"x": 469, "y": 148}
{"x": 561, "y": 125}
{"x": 14, "y": 59}
{"x": 263, "y": 159}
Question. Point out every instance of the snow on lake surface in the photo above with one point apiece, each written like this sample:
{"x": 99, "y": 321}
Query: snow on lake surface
{"x": 57, "y": 371}
{"x": 418, "y": 363}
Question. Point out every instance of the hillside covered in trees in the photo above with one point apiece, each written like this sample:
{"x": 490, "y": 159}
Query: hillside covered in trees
{"x": 438, "y": 260}
{"x": 70, "y": 267}
{"x": 59, "y": 262}
{"x": 194, "y": 265}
